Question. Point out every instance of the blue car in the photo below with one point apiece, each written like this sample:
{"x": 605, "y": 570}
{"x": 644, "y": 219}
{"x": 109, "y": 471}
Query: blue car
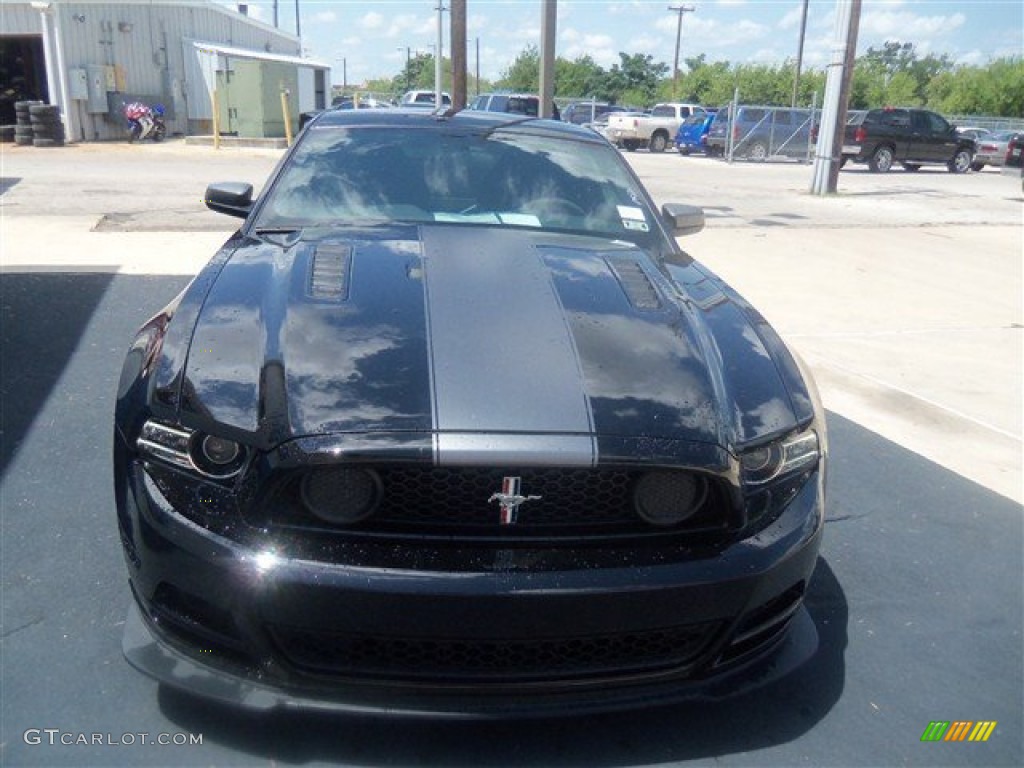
{"x": 692, "y": 133}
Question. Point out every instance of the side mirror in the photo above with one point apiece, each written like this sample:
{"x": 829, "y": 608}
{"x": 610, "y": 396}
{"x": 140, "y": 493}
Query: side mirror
{"x": 683, "y": 219}
{"x": 231, "y": 197}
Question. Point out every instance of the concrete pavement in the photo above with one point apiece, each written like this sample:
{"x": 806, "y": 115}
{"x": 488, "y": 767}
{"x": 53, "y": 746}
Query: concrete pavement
{"x": 904, "y": 292}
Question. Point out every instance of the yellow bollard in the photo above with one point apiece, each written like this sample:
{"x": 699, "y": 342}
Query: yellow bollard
{"x": 284, "y": 111}
{"x": 216, "y": 120}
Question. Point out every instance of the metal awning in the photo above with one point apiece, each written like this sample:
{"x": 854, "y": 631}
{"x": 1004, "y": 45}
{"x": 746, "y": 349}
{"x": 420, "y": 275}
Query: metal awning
{"x": 248, "y": 53}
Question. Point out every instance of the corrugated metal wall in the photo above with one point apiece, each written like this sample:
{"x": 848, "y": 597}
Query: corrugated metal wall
{"x": 143, "y": 39}
{"x": 19, "y": 19}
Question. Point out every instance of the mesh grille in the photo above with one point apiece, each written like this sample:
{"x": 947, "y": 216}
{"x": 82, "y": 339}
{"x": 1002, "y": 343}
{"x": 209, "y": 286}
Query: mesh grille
{"x": 491, "y": 660}
{"x": 455, "y": 501}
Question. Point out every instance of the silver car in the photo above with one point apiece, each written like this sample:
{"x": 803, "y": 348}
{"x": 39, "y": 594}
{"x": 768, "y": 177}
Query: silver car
{"x": 991, "y": 150}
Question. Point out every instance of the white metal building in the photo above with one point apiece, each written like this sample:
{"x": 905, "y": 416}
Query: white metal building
{"x": 90, "y": 57}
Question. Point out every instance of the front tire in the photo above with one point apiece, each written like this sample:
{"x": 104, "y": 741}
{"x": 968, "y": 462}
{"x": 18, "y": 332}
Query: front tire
{"x": 658, "y": 142}
{"x": 630, "y": 145}
{"x": 961, "y": 161}
{"x": 881, "y": 160}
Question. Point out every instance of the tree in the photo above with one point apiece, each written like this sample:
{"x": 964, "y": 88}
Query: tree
{"x": 635, "y": 78}
{"x": 524, "y": 73}
{"x": 579, "y": 77}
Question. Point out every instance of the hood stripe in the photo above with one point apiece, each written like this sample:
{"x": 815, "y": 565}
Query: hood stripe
{"x": 502, "y": 356}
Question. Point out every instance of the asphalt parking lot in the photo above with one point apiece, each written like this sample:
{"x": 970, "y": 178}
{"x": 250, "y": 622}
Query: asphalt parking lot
{"x": 904, "y": 294}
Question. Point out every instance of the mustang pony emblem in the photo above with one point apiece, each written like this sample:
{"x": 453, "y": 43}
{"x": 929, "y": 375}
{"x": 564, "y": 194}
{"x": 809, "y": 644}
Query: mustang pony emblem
{"x": 510, "y": 500}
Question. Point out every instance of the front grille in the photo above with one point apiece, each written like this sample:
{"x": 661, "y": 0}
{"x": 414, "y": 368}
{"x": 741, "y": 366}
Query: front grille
{"x": 454, "y": 501}
{"x": 466, "y": 660}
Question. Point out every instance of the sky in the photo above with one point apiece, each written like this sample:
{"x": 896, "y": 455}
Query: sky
{"x": 369, "y": 39}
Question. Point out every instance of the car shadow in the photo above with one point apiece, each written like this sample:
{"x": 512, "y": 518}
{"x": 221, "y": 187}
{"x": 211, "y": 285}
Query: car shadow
{"x": 43, "y": 317}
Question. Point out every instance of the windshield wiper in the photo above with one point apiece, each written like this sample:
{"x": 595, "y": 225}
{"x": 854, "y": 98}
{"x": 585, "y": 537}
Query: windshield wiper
{"x": 281, "y": 230}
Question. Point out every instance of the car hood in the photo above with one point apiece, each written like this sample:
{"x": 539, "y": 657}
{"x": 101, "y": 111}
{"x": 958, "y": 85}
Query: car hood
{"x": 475, "y": 332}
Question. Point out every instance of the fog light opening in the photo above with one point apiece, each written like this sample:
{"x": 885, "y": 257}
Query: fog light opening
{"x": 666, "y": 499}
{"x": 341, "y": 495}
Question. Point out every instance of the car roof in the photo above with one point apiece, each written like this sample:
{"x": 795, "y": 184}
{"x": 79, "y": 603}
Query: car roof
{"x": 472, "y": 120}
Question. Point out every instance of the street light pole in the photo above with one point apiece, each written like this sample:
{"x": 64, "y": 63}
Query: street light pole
{"x": 680, "y": 9}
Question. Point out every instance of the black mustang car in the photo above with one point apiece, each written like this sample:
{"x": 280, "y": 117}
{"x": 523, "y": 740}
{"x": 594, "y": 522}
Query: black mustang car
{"x": 452, "y": 426}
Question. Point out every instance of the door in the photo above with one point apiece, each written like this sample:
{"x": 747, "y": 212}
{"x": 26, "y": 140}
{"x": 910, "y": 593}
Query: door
{"x": 934, "y": 138}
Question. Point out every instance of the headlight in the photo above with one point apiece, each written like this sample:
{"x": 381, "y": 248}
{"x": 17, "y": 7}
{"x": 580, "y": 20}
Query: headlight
{"x": 668, "y": 498}
{"x": 211, "y": 456}
{"x": 765, "y": 463}
{"x": 341, "y": 495}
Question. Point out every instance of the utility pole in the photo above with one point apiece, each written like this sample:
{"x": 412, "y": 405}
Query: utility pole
{"x": 800, "y": 53}
{"x": 547, "y": 58}
{"x": 438, "y": 52}
{"x": 680, "y": 9}
{"x": 298, "y": 24}
{"x": 829, "y": 150}
{"x": 458, "y": 36}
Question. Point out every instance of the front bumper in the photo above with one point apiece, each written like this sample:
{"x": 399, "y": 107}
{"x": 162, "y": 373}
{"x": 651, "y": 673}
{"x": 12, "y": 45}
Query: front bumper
{"x": 260, "y": 631}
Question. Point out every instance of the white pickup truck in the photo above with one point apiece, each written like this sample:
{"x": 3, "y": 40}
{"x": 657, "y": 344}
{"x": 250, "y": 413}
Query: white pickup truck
{"x": 655, "y": 131}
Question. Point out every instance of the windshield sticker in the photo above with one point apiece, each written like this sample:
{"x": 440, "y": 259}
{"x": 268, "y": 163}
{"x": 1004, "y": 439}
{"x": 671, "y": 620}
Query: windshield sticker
{"x": 629, "y": 212}
{"x": 636, "y": 226}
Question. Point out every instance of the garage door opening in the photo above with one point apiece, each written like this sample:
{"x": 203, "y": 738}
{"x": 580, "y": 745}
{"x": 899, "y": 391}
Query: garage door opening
{"x": 22, "y": 73}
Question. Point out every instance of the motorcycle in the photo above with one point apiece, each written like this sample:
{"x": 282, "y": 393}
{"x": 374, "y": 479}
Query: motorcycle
{"x": 145, "y": 122}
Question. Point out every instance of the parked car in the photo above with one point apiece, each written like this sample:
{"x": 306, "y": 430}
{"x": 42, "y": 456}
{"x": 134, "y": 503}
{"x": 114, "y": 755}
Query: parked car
{"x": 516, "y": 103}
{"x": 359, "y": 102}
{"x": 582, "y": 112}
{"x": 760, "y": 132}
{"x": 911, "y": 137}
{"x": 991, "y": 149}
{"x": 972, "y": 132}
{"x": 425, "y": 99}
{"x": 345, "y": 102}
{"x": 692, "y": 135}
{"x": 452, "y": 425}
{"x": 1012, "y": 159}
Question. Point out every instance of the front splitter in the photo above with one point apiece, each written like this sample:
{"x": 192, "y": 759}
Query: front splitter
{"x": 167, "y": 665}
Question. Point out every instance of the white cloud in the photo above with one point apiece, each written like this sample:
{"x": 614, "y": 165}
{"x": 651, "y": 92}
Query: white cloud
{"x": 371, "y": 21}
{"x": 324, "y": 17}
{"x": 791, "y": 19}
{"x": 908, "y": 26}
{"x": 644, "y": 43}
{"x": 972, "y": 58}
{"x": 710, "y": 34}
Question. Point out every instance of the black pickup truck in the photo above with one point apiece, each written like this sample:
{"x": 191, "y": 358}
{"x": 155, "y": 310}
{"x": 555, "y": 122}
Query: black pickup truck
{"x": 911, "y": 137}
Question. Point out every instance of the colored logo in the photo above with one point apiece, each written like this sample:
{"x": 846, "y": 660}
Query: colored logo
{"x": 959, "y": 730}
{"x": 510, "y": 500}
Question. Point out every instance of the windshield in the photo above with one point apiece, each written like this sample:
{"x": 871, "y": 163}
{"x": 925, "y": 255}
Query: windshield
{"x": 343, "y": 175}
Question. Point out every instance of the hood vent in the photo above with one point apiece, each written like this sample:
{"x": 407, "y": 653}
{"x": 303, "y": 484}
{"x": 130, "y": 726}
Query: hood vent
{"x": 634, "y": 281}
{"x": 330, "y": 272}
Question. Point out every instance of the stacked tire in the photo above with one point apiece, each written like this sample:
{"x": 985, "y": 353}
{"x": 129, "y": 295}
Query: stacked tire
{"x": 47, "y": 128}
{"x": 23, "y": 123}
